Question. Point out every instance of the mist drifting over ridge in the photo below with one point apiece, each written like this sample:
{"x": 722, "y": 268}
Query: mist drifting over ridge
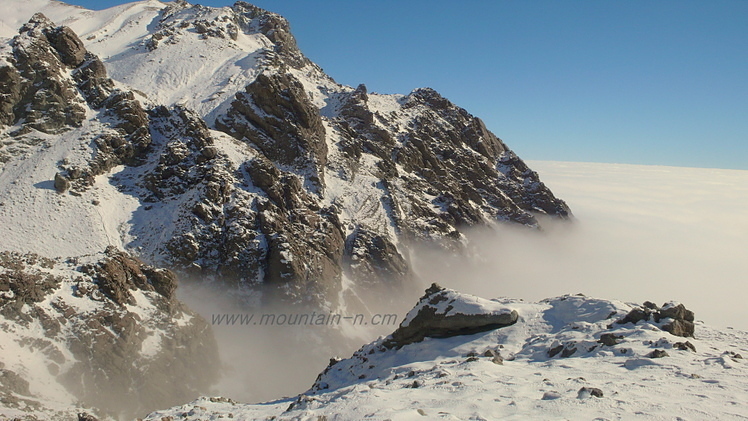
{"x": 640, "y": 233}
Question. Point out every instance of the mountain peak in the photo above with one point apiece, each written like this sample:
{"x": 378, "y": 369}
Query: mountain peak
{"x": 199, "y": 142}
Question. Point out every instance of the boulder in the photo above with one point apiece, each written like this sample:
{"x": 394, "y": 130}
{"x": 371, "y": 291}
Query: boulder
{"x": 586, "y": 392}
{"x": 61, "y": 183}
{"x": 443, "y": 313}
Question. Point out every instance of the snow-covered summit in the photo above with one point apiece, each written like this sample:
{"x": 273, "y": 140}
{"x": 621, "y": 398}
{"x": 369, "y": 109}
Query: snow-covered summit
{"x": 569, "y": 357}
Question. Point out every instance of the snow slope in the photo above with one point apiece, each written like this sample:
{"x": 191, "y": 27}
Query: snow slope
{"x": 458, "y": 377}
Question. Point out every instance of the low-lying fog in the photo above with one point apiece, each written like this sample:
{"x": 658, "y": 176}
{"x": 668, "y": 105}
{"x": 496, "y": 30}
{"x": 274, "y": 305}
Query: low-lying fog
{"x": 640, "y": 233}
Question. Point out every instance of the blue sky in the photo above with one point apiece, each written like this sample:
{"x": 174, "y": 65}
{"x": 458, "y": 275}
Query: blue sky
{"x": 642, "y": 82}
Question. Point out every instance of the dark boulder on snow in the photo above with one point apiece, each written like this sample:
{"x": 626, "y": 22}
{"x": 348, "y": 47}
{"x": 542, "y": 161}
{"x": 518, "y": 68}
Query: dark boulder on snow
{"x": 62, "y": 183}
{"x": 658, "y": 353}
{"x": 443, "y": 313}
{"x": 609, "y": 339}
{"x": 586, "y": 392}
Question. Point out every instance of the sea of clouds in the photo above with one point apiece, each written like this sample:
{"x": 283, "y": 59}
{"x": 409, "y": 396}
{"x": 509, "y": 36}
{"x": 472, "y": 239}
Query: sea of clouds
{"x": 639, "y": 233}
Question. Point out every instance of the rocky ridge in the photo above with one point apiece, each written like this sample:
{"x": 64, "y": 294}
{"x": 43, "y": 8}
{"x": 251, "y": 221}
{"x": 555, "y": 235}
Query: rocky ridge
{"x": 320, "y": 182}
{"x": 560, "y": 356}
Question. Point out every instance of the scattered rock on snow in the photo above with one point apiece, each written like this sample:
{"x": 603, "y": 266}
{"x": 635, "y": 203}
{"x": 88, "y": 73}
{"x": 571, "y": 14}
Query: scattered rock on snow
{"x": 673, "y": 317}
{"x": 610, "y": 339}
{"x": 684, "y": 346}
{"x": 61, "y": 183}
{"x": 658, "y": 353}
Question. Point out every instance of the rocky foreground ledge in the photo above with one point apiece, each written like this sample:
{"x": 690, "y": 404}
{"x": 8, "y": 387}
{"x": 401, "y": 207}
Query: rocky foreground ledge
{"x": 457, "y": 356}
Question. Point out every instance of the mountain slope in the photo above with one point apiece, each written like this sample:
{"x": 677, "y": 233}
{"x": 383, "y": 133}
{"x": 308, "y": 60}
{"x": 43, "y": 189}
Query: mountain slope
{"x": 570, "y": 357}
{"x": 203, "y": 141}
{"x": 321, "y": 183}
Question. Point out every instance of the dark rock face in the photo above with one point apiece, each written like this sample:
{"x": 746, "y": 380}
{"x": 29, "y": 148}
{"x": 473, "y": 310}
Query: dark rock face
{"x": 269, "y": 223}
{"x": 255, "y": 226}
{"x": 435, "y": 319}
{"x": 374, "y": 259}
{"x": 252, "y": 19}
{"x": 467, "y": 172}
{"x": 276, "y": 115}
{"x": 673, "y": 318}
{"x": 36, "y": 93}
{"x": 438, "y": 174}
{"x": 113, "y": 368}
{"x": 68, "y": 45}
{"x": 119, "y": 273}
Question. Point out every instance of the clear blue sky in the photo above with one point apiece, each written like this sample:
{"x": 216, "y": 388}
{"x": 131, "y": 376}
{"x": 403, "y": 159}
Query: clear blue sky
{"x": 645, "y": 82}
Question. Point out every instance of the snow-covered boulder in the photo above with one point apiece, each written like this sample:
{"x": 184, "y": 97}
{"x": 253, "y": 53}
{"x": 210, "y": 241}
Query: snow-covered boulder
{"x": 442, "y": 313}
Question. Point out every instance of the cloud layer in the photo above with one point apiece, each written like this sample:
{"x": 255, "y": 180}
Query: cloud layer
{"x": 641, "y": 233}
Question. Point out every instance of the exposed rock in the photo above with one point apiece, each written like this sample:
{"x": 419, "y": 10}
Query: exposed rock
{"x": 67, "y": 44}
{"x": 120, "y": 273}
{"x": 276, "y": 115}
{"x": 107, "y": 339}
{"x": 61, "y": 183}
{"x": 566, "y": 350}
{"x": 636, "y": 315}
{"x": 372, "y": 258}
{"x": 495, "y": 356}
{"x": 275, "y": 27}
{"x": 658, "y": 353}
{"x": 674, "y": 311}
{"x": 552, "y": 352}
{"x": 681, "y": 323}
{"x": 682, "y": 328}
{"x": 84, "y": 416}
{"x": 434, "y": 316}
{"x": 672, "y": 317}
{"x": 684, "y": 346}
{"x": 39, "y": 93}
{"x": 589, "y": 391}
{"x": 609, "y": 339}
{"x": 13, "y": 382}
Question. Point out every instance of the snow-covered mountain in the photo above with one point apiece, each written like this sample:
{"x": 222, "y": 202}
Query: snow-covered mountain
{"x": 154, "y": 140}
{"x": 461, "y": 357}
{"x": 232, "y": 155}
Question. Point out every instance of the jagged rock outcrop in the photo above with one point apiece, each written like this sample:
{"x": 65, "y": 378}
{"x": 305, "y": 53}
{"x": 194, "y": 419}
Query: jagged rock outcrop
{"x": 276, "y": 115}
{"x": 110, "y": 332}
{"x": 468, "y": 174}
{"x": 39, "y": 95}
{"x": 673, "y": 317}
{"x": 50, "y": 81}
